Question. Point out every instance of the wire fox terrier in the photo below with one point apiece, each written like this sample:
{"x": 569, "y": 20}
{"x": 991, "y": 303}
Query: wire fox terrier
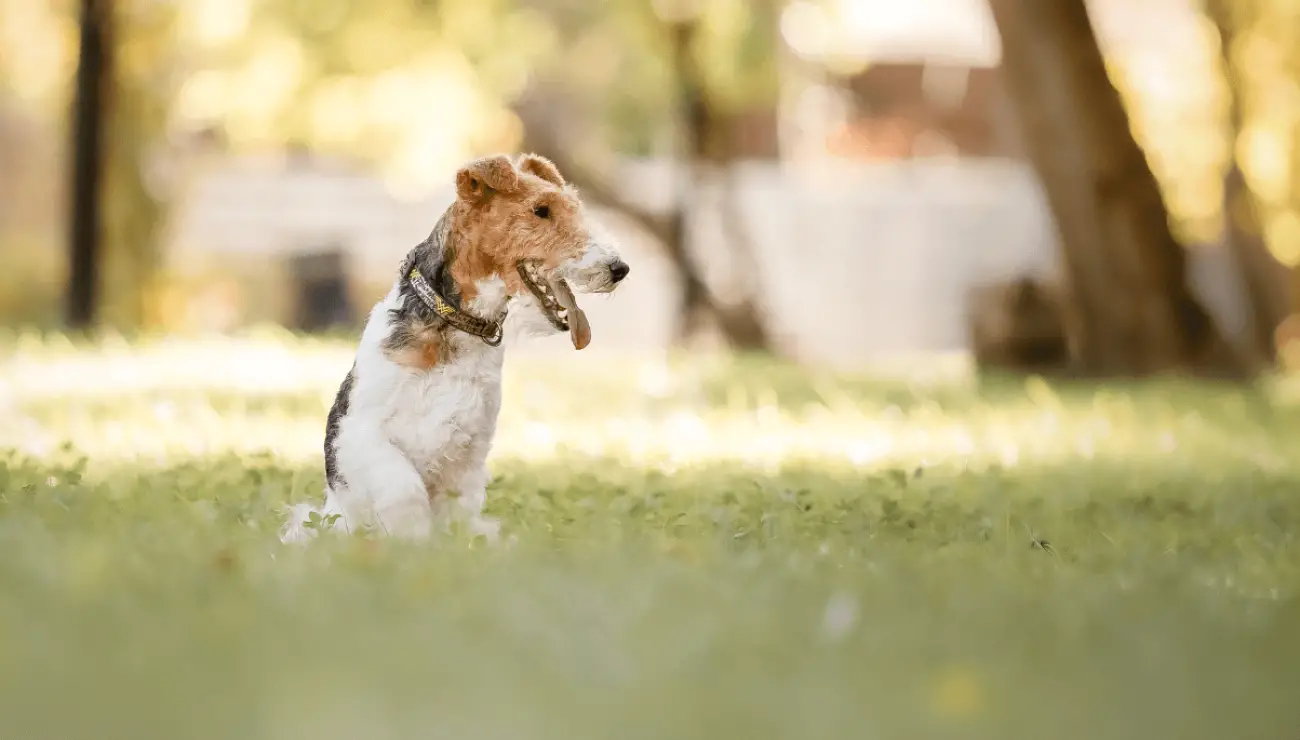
{"x": 410, "y": 430}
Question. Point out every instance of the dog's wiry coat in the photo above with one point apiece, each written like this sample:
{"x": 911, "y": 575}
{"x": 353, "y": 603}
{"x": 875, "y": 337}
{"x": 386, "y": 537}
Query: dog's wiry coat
{"x": 409, "y": 433}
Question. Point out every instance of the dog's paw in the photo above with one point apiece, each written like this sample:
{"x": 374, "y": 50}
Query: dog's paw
{"x": 411, "y": 521}
{"x": 486, "y": 527}
{"x": 297, "y": 527}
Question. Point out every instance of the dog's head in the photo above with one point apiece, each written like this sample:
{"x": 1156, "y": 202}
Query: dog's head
{"x": 529, "y": 226}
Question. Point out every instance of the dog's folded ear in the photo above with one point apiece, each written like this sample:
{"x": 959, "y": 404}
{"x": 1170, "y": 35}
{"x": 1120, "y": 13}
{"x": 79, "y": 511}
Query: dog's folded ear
{"x": 481, "y": 177}
{"x": 536, "y": 164}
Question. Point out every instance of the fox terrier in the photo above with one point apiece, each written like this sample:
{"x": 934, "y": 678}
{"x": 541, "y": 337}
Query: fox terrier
{"x": 408, "y": 435}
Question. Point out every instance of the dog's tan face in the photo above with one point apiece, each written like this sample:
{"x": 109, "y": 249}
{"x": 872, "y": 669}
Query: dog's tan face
{"x": 526, "y": 224}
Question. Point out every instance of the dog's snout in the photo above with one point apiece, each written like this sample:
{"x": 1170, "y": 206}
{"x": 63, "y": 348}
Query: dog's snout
{"x": 619, "y": 270}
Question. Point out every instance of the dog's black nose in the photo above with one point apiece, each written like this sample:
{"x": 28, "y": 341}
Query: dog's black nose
{"x": 619, "y": 270}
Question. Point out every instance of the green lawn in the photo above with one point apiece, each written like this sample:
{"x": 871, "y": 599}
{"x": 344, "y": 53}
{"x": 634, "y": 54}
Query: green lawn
{"x": 697, "y": 549}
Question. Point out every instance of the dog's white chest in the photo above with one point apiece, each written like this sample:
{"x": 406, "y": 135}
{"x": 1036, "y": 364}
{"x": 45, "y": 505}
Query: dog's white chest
{"x": 445, "y": 419}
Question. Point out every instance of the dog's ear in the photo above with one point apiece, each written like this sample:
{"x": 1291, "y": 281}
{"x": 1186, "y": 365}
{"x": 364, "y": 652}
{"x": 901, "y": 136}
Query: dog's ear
{"x": 536, "y": 164}
{"x": 482, "y": 177}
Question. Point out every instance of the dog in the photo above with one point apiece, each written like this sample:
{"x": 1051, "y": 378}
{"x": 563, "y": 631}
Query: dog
{"x": 407, "y": 438}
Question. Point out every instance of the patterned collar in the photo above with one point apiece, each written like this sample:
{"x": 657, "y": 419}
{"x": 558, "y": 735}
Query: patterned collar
{"x": 489, "y": 331}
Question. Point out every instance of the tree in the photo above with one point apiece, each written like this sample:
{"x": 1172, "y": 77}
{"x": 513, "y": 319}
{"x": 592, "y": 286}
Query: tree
{"x": 706, "y": 68}
{"x": 137, "y": 200}
{"x": 1266, "y": 280}
{"x": 411, "y": 88}
{"x": 94, "y": 74}
{"x": 1135, "y": 313}
{"x": 122, "y": 100}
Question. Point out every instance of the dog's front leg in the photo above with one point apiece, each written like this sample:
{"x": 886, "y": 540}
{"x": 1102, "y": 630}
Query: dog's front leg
{"x": 471, "y": 492}
{"x": 382, "y": 484}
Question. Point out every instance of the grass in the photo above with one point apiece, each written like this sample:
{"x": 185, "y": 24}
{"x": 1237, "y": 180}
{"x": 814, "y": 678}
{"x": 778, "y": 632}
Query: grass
{"x": 715, "y": 548}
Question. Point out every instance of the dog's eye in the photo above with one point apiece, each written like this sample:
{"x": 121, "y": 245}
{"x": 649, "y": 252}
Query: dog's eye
{"x": 542, "y": 211}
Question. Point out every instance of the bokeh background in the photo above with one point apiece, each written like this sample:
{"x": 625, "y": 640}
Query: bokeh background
{"x": 771, "y": 499}
{"x": 826, "y": 180}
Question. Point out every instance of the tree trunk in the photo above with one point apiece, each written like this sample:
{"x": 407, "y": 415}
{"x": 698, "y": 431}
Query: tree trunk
{"x": 541, "y": 135}
{"x": 743, "y": 322}
{"x": 1135, "y": 313}
{"x": 1266, "y": 281}
{"x": 85, "y": 236}
{"x": 739, "y": 322}
{"x": 706, "y": 150}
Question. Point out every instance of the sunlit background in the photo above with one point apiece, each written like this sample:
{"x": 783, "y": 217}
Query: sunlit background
{"x": 272, "y": 160}
{"x": 836, "y": 184}
{"x": 877, "y": 439}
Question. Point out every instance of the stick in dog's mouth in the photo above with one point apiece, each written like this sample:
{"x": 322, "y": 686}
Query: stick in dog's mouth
{"x": 557, "y": 303}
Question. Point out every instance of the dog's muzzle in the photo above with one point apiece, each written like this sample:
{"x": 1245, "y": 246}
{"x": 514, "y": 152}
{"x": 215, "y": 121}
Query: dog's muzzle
{"x": 556, "y": 301}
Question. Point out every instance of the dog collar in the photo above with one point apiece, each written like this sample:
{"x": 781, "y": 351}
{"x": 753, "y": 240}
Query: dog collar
{"x": 489, "y": 331}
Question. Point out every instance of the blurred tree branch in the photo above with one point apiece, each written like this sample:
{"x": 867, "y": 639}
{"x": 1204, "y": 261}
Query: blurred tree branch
{"x": 541, "y": 135}
{"x": 703, "y": 149}
{"x": 707, "y": 151}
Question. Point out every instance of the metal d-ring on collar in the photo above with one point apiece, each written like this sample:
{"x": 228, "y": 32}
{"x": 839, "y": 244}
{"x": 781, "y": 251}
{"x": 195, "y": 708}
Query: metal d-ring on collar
{"x": 489, "y": 331}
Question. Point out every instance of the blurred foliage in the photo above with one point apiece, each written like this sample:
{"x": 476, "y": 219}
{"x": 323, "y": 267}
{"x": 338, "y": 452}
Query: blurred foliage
{"x": 148, "y": 65}
{"x": 37, "y": 72}
{"x": 413, "y": 87}
{"x": 409, "y": 87}
{"x": 1179, "y": 106}
{"x": 417, "y": 87}
{"x": 1266, "y": 62}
